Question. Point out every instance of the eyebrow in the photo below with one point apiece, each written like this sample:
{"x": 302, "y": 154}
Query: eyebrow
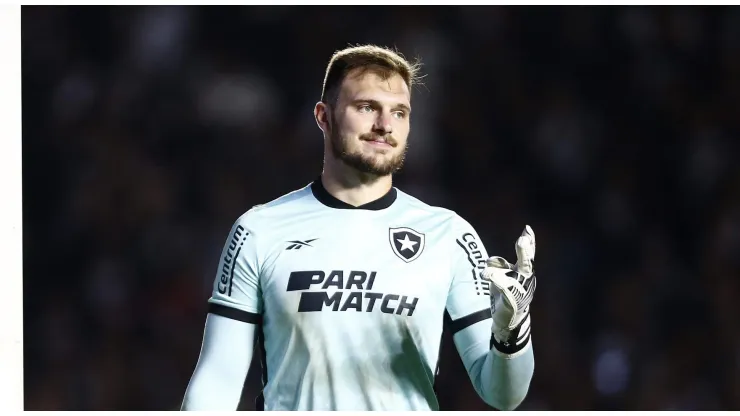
{"x": 377, "y": 104}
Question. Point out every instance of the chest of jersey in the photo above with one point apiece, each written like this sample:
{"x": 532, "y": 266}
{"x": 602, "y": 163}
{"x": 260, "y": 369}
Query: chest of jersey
{"x": 345, "y": 270}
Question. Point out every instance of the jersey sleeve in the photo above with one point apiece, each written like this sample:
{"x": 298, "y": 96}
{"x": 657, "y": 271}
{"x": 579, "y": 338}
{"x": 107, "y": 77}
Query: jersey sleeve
{"x": 468, "y": 301}
{"x": 236, "y": 287}
{"x": 222, "y": 367}
{"x": 469, "y": 294}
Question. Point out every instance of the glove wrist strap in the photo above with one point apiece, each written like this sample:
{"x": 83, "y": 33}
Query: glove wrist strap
{"x": 518, "y": 338}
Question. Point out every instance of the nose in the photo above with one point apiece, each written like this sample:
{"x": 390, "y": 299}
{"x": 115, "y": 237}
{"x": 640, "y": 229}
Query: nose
{"x": 383, "y": 124}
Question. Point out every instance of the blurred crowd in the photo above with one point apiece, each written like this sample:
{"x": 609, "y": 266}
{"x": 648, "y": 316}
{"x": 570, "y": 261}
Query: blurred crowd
{"x": 612, "y": 131}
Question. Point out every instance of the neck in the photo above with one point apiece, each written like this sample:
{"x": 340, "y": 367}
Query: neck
{"x": 353, "y": 187}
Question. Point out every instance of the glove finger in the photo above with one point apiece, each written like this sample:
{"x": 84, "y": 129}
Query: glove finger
{"x": 499, "y": 263}
{"x": 525, "y": 250}
{"x": 499, "y": 277}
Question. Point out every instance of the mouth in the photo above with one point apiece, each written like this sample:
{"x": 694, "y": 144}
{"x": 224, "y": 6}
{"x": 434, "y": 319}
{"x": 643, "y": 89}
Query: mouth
{"x": 379, "y": 142}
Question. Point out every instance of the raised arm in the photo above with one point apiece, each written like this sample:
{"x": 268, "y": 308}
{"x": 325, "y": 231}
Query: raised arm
{"x": 501, "y": 372}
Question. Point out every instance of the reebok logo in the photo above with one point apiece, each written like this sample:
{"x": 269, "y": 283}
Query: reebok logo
{"x": 337, "y": 294}
{"x": 297, "y": 244}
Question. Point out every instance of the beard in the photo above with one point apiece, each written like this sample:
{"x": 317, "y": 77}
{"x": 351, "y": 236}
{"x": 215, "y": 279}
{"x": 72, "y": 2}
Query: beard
{"x": 369, "y": 164}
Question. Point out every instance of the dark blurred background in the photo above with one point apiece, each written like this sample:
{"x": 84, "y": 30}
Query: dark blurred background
{"x": 613, "y": 131}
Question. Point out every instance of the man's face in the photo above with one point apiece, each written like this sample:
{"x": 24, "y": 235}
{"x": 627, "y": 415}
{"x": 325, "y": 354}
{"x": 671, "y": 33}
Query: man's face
{"x": 369, "y": 123}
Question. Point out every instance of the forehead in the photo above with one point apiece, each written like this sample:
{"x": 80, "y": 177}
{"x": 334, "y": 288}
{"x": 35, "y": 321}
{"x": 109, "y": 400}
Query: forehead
{"x": 369, "y": 85}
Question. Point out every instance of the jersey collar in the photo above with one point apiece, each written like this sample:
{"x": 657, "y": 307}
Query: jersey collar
{"x": 323, "y": 196}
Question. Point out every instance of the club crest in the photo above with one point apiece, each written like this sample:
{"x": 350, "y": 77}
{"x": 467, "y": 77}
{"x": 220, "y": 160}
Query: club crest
{"x": 406, "y": 243}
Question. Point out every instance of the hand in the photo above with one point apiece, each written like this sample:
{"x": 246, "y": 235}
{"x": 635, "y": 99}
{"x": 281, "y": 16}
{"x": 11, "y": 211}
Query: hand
{"x": 512, "y": 292}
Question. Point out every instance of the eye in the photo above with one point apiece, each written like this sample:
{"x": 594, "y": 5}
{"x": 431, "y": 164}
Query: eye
{"x": 399, "y": 115}
{"x": 364, "y": 108}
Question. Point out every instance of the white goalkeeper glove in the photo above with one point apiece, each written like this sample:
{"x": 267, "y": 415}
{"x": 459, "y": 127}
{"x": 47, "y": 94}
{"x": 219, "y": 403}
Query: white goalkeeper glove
{"x": 512, "y": 290}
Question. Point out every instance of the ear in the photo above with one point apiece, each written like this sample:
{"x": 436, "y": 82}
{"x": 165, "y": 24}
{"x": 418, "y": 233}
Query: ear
{"x": 321, "y": 114}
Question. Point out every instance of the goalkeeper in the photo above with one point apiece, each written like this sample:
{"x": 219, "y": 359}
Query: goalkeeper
{"x": 345, "y": 283}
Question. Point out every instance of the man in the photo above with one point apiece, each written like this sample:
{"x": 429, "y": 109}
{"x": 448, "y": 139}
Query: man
{"x": 345, "y": 283}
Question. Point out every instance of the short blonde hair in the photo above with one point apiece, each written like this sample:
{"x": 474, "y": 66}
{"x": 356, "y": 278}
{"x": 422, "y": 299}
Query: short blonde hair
{"x": 377, "y": 59}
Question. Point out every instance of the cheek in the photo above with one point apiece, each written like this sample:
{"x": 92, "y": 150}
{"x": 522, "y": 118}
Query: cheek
{"x": 355, "y": 124}
{"x": 401, "y": 131}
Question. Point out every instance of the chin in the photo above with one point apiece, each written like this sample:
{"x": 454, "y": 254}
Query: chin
{"x": 379, "y": 162}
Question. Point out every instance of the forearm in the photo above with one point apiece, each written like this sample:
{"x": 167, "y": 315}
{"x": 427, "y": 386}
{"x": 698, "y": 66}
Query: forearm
{"x": 504, "y": 379}
{"x": 213, "y": 390}
{"x": 501, "y": 379}
{"x": 222, "y": 367}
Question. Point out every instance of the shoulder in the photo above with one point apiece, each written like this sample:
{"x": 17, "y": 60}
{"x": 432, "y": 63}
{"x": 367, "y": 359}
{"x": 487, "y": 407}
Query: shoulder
{"x": 420, "y": 208}
{"x": 265, "y": 215}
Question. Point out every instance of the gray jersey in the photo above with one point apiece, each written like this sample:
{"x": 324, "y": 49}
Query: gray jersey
{"x": 349, "y": 302}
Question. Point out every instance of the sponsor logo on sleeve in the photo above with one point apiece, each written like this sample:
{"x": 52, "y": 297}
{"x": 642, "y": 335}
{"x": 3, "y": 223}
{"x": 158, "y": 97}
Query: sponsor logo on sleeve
{"x": 226, "y": 277}
{"x": 471, "y": 247}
